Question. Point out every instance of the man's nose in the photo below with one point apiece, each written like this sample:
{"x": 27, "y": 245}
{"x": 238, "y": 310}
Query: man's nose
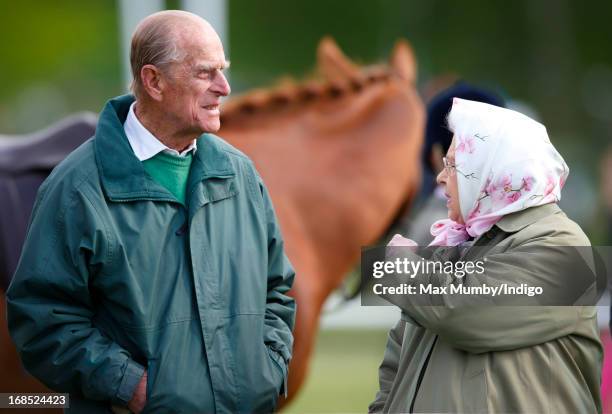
{"x": 221, "y": 85}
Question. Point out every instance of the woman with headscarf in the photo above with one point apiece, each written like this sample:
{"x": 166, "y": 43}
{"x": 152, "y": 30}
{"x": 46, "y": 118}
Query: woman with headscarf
{"x": 503, "y": 178}
{"x": 431, "y": 203}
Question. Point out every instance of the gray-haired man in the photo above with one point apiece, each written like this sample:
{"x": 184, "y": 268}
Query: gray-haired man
{"x": 153, "y": 275}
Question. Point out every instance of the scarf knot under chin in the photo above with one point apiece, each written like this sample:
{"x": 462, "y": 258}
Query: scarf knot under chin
{"x": 448, "y": 232}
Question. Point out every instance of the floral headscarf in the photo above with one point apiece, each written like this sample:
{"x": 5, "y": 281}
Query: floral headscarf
{"x": 504, "y": 163}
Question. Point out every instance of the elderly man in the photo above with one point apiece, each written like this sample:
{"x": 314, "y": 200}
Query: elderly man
{"x": 153, "y": 275}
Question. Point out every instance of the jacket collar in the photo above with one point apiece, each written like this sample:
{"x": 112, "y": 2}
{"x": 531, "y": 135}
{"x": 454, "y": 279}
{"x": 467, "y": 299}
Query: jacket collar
{"x": 144, "y": 144}
{"x": 123, "y": 176}
{"x": 510, "y": 223}
{"x": 514, "y": 222}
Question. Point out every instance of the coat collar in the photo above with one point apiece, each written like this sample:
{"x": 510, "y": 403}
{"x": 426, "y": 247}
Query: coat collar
{"x": 123, "y": 176}
{"x": 511, "y": 223}
{"x": 144, "y": 144}
{"x": 514, "y": 222}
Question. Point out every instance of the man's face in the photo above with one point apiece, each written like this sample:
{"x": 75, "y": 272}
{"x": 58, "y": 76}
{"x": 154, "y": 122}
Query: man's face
{"x": 194, "y": 86}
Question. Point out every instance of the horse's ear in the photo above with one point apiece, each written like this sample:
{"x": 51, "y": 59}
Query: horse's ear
{"x": 333, "y": 64}
{"x": 403, "y": 61}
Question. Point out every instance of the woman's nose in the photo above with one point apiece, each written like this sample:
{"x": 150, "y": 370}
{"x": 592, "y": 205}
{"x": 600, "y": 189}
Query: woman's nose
{"x": 441, "y": 177}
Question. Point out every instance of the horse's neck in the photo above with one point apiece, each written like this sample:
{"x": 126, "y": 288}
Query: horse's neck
{"x": 337, "y": 181}
{"x": 344, "y": 210}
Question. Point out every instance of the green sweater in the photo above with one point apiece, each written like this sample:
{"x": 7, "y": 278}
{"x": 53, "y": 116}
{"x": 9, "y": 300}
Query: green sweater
{"x": 170, "y": 171}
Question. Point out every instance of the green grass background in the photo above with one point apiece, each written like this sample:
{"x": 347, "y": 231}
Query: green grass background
{"x": 343, "y": 375}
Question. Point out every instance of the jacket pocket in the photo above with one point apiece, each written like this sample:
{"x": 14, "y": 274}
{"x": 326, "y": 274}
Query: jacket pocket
{"x": 281, "y": 368}
{"x": 151, "y": 373}
{"x": 266, "y": 381}
{"x": 259, "y": 370}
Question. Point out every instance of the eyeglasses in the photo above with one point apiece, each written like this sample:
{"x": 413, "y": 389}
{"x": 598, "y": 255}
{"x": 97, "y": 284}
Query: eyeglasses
{"x": 450, "y": 168}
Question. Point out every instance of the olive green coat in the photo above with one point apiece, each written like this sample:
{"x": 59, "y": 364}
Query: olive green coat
{"x": 498, "y": 359}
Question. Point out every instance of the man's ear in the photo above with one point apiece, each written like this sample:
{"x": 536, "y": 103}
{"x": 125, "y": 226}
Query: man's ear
{"x": 152, "y": 81}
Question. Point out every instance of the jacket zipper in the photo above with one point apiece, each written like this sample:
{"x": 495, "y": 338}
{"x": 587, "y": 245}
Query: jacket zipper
{"x": 422, "y": 374}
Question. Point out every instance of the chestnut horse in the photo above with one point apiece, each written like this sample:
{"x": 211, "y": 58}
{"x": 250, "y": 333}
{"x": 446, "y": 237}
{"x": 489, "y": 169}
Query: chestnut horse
{"x": 340, "y": 158}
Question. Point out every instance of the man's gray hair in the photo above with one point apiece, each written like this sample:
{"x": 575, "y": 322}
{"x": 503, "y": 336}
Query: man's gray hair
{"x": 153, "y": 44}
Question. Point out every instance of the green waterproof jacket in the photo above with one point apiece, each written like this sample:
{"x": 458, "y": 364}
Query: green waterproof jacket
{"x": 500, "y": 358}
{"x": 116, "y": 276}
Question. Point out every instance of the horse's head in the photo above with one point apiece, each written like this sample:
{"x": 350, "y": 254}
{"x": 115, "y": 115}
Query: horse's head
{"x": 340, "y": 154}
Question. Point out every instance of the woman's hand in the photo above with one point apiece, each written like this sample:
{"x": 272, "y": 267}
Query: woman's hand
{"x": 400, "y": 241}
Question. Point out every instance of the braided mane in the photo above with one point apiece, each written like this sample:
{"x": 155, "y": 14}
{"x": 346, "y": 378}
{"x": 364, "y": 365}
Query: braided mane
{"x": 290, "y": 95}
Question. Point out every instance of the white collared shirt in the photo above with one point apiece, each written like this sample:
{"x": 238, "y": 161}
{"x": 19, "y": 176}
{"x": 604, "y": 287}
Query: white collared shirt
{"x": 143, "y": 143}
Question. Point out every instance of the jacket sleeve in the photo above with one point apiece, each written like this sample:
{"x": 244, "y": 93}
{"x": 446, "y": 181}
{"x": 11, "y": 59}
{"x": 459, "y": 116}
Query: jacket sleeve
{"x": 50, "y": 306}
{"x": 389, "y": 366}
{"x": 482, "y": 323}
{"x": 280, "y": 308}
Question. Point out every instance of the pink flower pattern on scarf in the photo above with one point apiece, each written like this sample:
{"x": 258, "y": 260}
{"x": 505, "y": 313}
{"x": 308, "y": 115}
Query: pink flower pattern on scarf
{"x": 466, "y": 145}
{"x": 491, "y": 143}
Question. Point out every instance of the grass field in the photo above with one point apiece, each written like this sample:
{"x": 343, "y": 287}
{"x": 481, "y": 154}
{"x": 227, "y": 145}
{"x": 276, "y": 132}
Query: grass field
{"x": 344, "y": 372}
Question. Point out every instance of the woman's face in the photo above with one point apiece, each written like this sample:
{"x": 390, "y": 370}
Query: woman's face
{"x": 448, "y": 178}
